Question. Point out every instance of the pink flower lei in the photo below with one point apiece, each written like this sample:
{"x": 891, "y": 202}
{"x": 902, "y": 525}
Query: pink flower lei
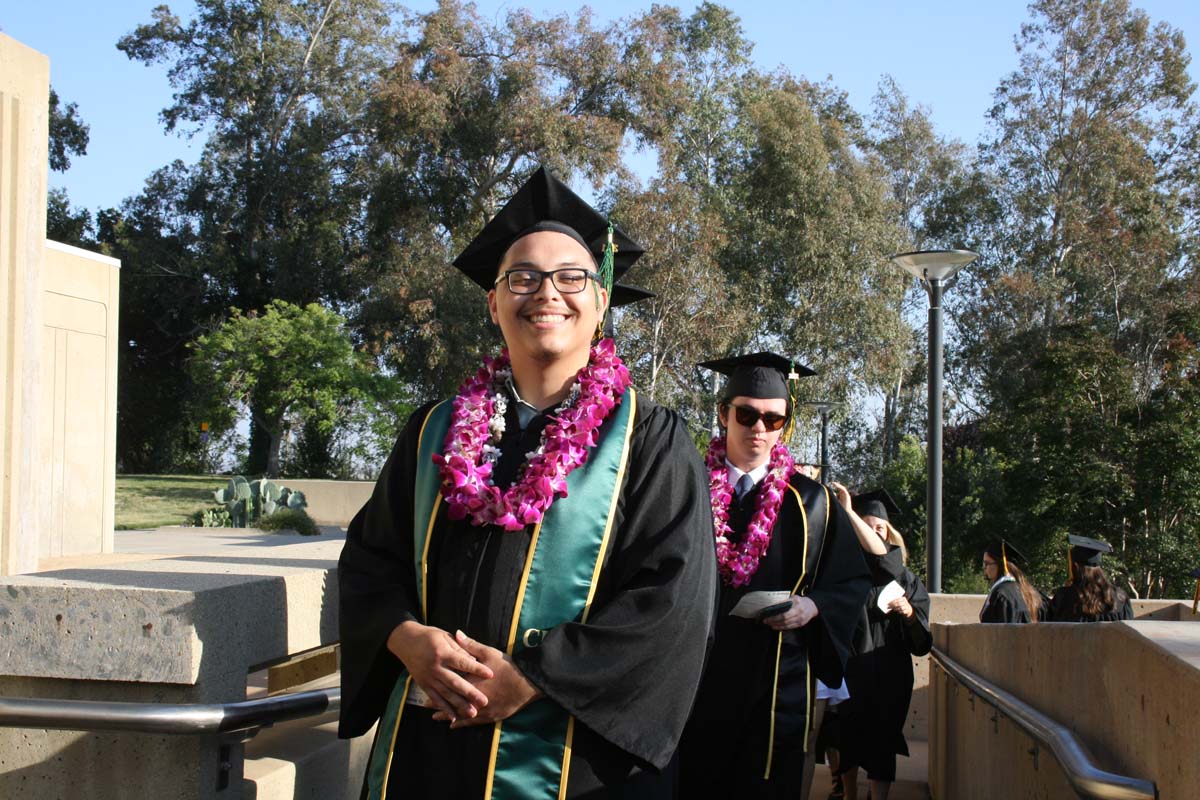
{"x": 738, "y": 563}
{"x": 470, "y": 448}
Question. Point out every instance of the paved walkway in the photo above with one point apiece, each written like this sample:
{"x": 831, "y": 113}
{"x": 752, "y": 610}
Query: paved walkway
{"x": 174, "y": 541}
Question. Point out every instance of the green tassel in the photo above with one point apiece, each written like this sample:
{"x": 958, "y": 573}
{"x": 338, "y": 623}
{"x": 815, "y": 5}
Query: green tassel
{"x": 606, "y": 263}
{"x": 605, "y": 279}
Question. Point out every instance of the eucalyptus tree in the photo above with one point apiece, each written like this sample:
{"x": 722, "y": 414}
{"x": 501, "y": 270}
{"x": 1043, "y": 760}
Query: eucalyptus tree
{"x": 279, "y": 91}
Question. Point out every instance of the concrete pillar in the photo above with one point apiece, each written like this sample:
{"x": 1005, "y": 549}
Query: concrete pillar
{"x": 24, "y": 127}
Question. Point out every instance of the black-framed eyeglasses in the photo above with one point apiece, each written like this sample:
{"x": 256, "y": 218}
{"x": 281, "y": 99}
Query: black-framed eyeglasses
{"x": 987, "y": 563}
{"x": 749, "y": 416}
{"x": 567, "y": 280}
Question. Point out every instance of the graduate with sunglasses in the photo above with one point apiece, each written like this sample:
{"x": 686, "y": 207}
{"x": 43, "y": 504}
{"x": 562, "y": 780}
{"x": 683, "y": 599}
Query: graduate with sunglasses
{"x": 776, "y": 531}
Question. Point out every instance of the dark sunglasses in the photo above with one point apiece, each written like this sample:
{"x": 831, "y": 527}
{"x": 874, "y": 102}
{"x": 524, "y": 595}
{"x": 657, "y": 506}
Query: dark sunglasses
{"x": 748, "y": 416}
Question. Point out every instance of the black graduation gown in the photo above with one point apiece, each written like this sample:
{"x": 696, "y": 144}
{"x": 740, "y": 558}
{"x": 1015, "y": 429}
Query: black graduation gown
{"x": 880, "y": 672}
{"x": 725, "y": 746}
{"x": 1005, "y": 603}
{"x": 628, "y": 676}
{"x": 1064, "y": 607}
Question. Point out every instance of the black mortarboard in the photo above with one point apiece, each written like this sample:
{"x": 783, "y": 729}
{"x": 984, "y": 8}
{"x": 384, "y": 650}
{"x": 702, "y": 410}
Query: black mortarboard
{"x": 1004, "y": 553}
{"x": 543, "y": 203}
{"x": 623, "y": 294}
{"x": 875, "y": 504}
{"x": 1087, "y": 551}
{"x": 763, "y": 376}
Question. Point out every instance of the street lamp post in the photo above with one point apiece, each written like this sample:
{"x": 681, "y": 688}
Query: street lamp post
{"x": 823, "y": 407}
{"x": 933, "y": 268}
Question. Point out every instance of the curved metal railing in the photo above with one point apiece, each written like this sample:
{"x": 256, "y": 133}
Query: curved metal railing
{"x": 1088, "y": 780}
{"x": 95, "y": 715}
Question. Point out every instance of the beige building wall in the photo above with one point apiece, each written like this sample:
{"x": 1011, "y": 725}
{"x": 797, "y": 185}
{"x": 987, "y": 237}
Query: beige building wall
{"x": 79, "y": 400}
{"x": 24, "y": 125}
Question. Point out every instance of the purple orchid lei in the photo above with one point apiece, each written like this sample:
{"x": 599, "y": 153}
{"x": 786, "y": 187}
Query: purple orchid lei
{"x": 470, "y": 448}
{"x": 738, "y": 563}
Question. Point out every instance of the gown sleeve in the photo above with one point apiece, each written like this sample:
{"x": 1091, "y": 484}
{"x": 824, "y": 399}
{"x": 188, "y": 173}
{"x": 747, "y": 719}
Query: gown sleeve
{"x": 1002, "y": 607}
{"x": 630, "y": 673}
{"x": 377, "y": 586}
{"x": 916, "y": 630}
{"x": 839, "y": 592}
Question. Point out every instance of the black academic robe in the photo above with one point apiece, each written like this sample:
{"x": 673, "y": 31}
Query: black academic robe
{"x": 879, "y": 673}
{"x": 628, "y": 676}
{"x": 1005, "y": 603}
{"x": 727, "y": 741}
{"x": 1064, "y": 607}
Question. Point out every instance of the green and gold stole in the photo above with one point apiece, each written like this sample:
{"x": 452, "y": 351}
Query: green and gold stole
{"x": 531, "y": 750}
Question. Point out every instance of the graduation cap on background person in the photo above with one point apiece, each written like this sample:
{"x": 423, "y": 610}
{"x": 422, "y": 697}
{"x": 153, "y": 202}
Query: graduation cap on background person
{"x": 623, "y": 294}
{"x": 1004, "y": 553}
{"x": 875, "y": 504}
{"x": 763, "y": 376}
{"x": 544, "y": 203}
{"x": 1084, "y": 551}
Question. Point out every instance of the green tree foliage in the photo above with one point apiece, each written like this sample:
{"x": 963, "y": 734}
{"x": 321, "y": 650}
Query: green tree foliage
{"x": 291, "y": 365}
{"x": 280, "y": 89}
{"x": 69, "y": 134}
{"x": 465, "y": 113}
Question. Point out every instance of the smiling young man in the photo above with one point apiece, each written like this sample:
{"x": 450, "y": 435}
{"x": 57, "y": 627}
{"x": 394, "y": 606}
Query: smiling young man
{"x": 526, "y": 600}
{"x": 776, "y": 531}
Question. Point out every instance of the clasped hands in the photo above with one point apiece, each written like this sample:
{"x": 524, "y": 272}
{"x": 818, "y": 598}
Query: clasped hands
{"x": 467, "y": 682}
{"x": 802, "y": 612}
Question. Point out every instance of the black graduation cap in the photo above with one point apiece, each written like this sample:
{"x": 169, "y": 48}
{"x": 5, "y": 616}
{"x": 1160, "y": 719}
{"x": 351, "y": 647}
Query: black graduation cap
{"x": 763, "y": 376}
{"x": 1085, "y": 550}
{"x": 1004, "y": 553}
{"x": 623, "y": 294}
{"x": 875, "y": 504}
{"x": 543, "y": 203}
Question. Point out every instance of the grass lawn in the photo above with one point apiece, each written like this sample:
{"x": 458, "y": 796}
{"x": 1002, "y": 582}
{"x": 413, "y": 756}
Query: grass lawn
{"x": 151, "y": 501}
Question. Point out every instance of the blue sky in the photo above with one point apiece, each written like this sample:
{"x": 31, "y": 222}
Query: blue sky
{"x": 948, "y": 56}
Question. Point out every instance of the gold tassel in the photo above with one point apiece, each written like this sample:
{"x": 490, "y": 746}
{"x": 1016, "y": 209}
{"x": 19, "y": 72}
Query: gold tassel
{"x": 793, "y": 381}
{"x": 1070, "y": 566}
{"x": 1004, "y": 556}
{"x": 1196, "y": 597}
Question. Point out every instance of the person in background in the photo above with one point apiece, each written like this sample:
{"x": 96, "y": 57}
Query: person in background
{"x": 1088, "y": 596}
{"x": 831, "y": 731}
{"x": 893, "y": 627}
{"x": 1011, "y": 598}
{"x": 777, "y": 532}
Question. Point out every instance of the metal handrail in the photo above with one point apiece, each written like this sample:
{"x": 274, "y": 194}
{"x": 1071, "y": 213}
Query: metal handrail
{"x": 1088, "y": 780}
{"x": 185, "y": 719}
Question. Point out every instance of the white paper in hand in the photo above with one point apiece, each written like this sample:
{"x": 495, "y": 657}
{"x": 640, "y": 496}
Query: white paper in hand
{"x": 753, "y": 603}
{"x": 889, "y": 593}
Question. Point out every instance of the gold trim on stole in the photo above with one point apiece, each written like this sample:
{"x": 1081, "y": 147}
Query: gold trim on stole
{"x": 516, "y": 617}
{"x": 424, "y": 613}
{"x": 779, "y": 639}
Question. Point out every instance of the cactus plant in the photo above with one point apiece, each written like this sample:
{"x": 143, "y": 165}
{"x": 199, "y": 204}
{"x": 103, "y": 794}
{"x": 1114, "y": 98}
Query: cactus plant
{"x": 246, "y": 502}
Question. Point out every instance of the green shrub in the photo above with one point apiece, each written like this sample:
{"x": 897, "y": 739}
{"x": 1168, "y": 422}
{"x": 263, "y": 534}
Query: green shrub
{"x": 217, "y": 517}
{"x": 290, "y": 519}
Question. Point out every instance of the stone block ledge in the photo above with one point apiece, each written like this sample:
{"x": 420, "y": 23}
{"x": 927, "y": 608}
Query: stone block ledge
{"x": 179, "y": 620}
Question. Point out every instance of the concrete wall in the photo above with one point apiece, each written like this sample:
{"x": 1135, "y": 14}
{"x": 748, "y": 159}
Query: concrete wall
{"x": 79, "y": 400}
{"x": 1129, "y": 690}
{"x": 24, "y": 125}
{"x": 331, "y": 502}
{"x": 185, "y": 629}
{"x": 964, "y": 608}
